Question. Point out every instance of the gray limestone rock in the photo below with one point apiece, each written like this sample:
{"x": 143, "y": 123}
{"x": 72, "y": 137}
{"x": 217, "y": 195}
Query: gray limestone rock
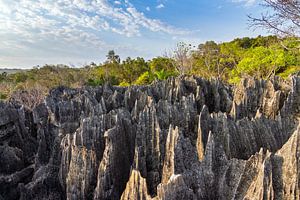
{"x": 183, "y": 138}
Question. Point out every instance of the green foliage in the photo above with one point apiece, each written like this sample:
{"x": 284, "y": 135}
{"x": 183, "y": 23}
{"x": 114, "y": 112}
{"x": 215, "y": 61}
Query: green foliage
{"x": 159, "y": 63}
{"x": 132, "y": 69}
{"x": 124, "y": 84}
{"x": 43, "y": 78}
{"x": 261, "y": 62}
{"x": 259, "y": 57}
{"x": 20, "y": 77}
{"x": 161, "y": 75}
{"x": 145, "y": 78}
{"x": 95, "y": 82}
{"x": 289, "y": 71}
{"x": 112, "y": 57}
{"x": 246, "y": 42}
{"x": 2, "y": 96}
{"x": 3, "y": 76}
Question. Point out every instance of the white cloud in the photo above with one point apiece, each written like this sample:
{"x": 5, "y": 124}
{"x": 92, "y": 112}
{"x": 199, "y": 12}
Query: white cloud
{"x": 245, "y": 2}
{"x": 82, "y": 18}
{"x": 148, "y": 8}
{"x": 159, "y": 6}
{"x": 48, "y": 25}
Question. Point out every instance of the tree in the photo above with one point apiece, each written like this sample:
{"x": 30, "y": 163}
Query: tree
{"x": 232, "y": 54}
{"x": 181, "y": 56}
{"x": 133, "y": 68}
{"x": 20, "y": 77}
{"x": 282, "y": 17}
{"x": 112, "y": 57}
{"x": 145, "y": 78}
{"x": 3, "y": 76}
{"x": 109, "y": 70}
{"x": 161, "y": 75}
{"x": 260, "y": 62}
{"x": 159, "y": 63}
{"x": 214, "y": 60}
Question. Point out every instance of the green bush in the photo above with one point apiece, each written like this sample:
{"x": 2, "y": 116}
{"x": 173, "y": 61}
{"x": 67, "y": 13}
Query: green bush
{"x": 20, "y": 77}
{"x": 3, "y": 96}
{"x": 290, "y": 70}
{"x": 145, "y": 78}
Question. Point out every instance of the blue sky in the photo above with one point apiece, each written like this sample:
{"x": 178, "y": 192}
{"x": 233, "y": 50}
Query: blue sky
{"x": 77, "y": 32}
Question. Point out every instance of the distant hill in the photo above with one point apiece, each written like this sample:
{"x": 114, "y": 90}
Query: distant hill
{"x": 11, "y": 71}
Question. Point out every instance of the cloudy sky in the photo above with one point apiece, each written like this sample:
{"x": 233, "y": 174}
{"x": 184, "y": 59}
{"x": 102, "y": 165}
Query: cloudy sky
{"x": 77, "y": 32}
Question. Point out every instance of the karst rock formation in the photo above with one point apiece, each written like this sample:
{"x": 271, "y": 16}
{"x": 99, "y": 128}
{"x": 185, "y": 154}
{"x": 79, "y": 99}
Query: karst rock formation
{"x": 183, "y": 138}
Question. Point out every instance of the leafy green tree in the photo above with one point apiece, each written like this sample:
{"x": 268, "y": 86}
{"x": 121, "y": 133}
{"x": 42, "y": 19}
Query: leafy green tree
{"x": 214, "y": 59}
{"x": 3, "y": 76}
{"x": 20, "y": 77}
{"x": 244, "y": 43}
{"x": 159, "y": 63}
{"x": 260, "y": 62}
{"x": 162, "y": 74}
{"x": 133, "y": 68}
{"x": 108, "y": 72}
{"x": 145, "y": 78}
{"x": 232, "y": 54}
{"x": 112, "y": 57}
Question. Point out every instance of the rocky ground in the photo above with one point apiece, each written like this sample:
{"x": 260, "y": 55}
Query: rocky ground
{"x": 184, "y": 138}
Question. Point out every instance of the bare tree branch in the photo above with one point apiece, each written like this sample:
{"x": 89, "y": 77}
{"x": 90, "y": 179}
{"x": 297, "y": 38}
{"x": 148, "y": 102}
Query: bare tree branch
{"x": 282, "y": 17}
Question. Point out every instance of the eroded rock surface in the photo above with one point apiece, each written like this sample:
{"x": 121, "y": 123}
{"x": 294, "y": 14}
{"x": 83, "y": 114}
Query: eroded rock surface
{"x": 184, "y": 138}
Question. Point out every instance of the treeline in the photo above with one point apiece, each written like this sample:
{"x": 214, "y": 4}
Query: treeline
{"x": 260, "y": 57}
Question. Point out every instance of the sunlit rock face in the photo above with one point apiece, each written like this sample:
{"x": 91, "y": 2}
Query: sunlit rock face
{"x": 184, "y": 138}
